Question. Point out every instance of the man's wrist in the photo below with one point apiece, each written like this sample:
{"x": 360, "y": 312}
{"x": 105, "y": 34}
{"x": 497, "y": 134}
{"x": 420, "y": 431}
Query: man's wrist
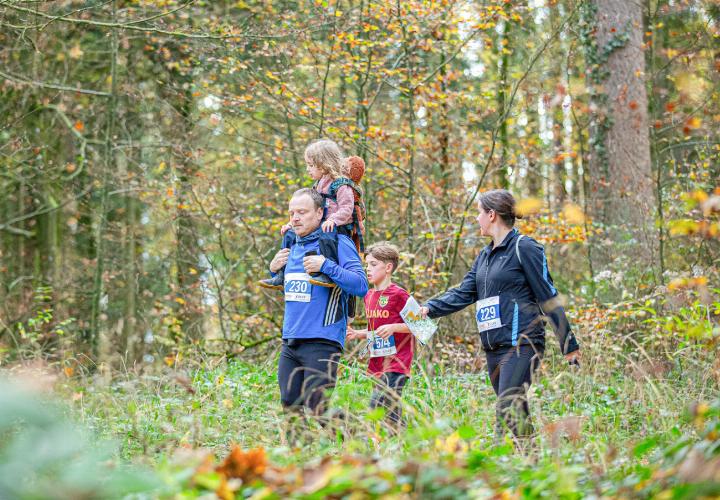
{"x": 325, "y": 261}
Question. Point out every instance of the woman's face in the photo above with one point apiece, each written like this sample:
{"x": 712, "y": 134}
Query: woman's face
{"x": 314, "y": 172}
{"x": 484, "y": 220}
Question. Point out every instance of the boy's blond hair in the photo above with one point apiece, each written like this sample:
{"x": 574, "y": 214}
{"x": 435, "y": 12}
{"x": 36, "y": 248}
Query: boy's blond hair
{"x": 384, "y": 251}
{"x": 326, "y": 155}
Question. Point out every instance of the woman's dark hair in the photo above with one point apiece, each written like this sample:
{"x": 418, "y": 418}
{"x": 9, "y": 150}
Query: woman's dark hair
{"x": 502, "y": 202}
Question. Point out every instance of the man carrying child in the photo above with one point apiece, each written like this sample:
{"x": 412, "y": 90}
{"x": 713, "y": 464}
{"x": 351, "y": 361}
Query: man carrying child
{"x": 313, "y": 332}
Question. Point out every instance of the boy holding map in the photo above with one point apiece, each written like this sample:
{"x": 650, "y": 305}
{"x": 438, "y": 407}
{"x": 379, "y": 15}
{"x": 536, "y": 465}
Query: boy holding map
{"x": 390, "y": 341}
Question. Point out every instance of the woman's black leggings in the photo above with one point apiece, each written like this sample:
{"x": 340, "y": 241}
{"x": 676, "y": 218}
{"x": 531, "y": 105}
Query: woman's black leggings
{"x": 511, "y": 370}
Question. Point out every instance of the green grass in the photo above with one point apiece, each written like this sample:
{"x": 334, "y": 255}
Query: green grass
{"x": 599, "y": 427}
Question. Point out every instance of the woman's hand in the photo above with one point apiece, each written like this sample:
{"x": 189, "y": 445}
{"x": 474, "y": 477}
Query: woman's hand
{"x": 573, "y": 358}
{"x": 285, "y": 229}
{"x": 328, "y": 226}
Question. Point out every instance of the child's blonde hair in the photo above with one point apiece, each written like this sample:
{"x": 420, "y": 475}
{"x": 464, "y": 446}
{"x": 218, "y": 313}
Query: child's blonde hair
{"x": 384, "y": 251}
{"x": 326, "y": 155}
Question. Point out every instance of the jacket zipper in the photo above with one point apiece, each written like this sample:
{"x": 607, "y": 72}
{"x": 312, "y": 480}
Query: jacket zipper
{"x": 487, "y": 269}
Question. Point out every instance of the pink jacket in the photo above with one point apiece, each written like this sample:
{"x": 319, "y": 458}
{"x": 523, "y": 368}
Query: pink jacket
{"x": 340, "y": 213}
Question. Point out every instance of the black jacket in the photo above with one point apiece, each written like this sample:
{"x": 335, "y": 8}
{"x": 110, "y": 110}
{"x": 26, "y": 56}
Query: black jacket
{"x": 516, "y": 271}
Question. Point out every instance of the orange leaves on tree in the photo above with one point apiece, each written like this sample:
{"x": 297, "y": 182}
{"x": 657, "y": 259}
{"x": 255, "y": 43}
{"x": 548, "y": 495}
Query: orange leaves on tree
{"x": 705, "y": 226}
{"x": 688, "y": 283}
{"x": 693, "y": 123}
{"x": 573, "y": 213}
{"x": 528, "y": 206}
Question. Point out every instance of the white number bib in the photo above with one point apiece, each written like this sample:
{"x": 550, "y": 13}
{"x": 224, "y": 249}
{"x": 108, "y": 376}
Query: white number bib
{"x": 488, "y": 313}
{"x": 297, "y": 287}
{"x": 380, "y": 347}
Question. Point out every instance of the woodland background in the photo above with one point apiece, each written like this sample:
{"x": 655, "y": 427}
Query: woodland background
{"x": 148, "y": 150}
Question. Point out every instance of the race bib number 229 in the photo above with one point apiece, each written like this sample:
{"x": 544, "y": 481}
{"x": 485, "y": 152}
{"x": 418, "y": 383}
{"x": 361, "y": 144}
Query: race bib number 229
{"x": 488, "y": 313}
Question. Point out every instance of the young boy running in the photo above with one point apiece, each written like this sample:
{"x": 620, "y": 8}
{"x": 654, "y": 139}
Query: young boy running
{"x": 383, "y": 304}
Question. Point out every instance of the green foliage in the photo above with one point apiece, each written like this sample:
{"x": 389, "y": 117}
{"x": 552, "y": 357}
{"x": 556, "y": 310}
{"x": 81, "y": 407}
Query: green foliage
{"x": 43, "y": 455}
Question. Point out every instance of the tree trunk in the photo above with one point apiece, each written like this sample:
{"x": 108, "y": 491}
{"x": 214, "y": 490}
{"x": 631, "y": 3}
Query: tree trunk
{"x": 621, "y": 191}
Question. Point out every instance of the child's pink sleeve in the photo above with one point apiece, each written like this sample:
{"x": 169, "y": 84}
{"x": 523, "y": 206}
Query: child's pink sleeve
{"x": 345, "y": 206}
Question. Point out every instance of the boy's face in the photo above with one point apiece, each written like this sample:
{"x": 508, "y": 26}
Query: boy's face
{"x": 377, "y": 270}
{"x": 314, "y": 172}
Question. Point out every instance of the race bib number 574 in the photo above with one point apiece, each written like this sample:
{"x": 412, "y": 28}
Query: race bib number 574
{"x": 488, "y": 313}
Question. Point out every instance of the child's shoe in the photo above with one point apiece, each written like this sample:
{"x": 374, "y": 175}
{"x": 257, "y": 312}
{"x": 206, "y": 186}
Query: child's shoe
{"x": 321, "y": 279}
{"x": 277, "y": 282}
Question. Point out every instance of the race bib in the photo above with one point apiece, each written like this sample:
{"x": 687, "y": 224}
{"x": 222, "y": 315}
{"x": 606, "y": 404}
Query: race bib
{"x": 297, "y": 287}
{"x": 379, "y": 347}
{"x": 488, "y": 313}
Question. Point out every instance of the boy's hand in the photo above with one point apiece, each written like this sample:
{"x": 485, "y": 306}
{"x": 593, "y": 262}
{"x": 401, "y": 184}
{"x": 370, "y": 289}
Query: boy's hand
{"x": 313, "y": 263}
{"x": 354, "y": 334}
{"x": 279, "y": 260}
{"x": 285, "y": 229}
{"x": 328, "y": 226}
{"x": 385, "y": 331}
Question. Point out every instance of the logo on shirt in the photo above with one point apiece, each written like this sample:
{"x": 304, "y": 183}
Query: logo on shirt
{"x": 377, "y": 313}
{"x": 383, "y": 301}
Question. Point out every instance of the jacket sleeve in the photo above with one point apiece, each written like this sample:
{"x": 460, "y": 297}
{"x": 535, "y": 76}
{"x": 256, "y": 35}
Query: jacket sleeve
{"x": 534, "y": 264}
{"x": 456, "y": 298}
{"x": 349, "y": 275}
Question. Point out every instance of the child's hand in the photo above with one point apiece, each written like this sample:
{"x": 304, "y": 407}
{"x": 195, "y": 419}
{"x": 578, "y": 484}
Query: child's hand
{"x": 285, "y": 229}
{"x": 328, "y": 226}
{"x": 385, "y": 331}
{"x": 353, "y": 334}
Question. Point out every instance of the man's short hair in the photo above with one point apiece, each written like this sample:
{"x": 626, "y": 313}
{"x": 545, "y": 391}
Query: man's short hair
{"x": 313, "y": 194}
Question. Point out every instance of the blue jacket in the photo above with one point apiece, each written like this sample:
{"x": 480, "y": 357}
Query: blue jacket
{"x": 319, "y": 312}
{"x": 516, "y": 272}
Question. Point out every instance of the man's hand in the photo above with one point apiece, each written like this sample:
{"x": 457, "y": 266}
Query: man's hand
{"x": 385, "y": 331}
{"x": 279, "y": 260}
{"x": 328, "y": 226}
{"x": 285, "y": 228}
{"x": 573, "y": 358}
{"x": 424, "y": 312}
{"x": 313, "y": 263}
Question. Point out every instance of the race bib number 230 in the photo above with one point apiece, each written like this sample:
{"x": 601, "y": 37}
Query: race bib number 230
{"x": 298, "y": 287}
{"x": 488, "y": 313}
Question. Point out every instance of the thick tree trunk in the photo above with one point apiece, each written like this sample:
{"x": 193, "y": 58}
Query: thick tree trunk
{"x": 621, "y": 189}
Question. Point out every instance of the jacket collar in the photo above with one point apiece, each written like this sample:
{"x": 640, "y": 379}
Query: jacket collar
{"x": 489, "y": 248}
{"x": 315, "y": 235}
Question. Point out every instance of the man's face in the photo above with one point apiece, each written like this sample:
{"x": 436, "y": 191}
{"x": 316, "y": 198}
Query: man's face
{"x": 304, "y": 217}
